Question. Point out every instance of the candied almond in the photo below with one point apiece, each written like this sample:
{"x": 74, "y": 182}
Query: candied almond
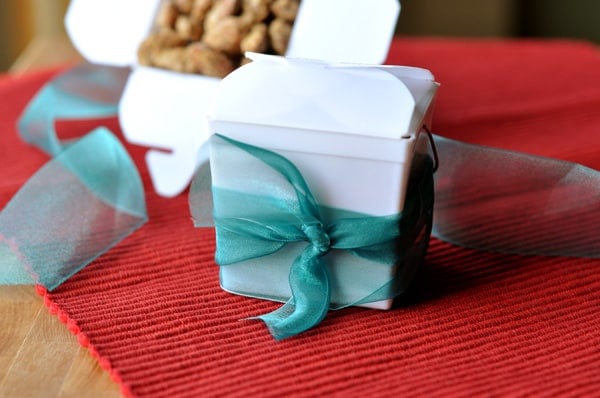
{"x": 225, "y": 35}
{"x": 207, "y": 61}
{"x": 167, "y": 38}
{"x": 210, "y": 36}
{"x": 285, "y": 9}
{"x": 257, "y": 40}
{"x": 220, "y": 10}
{"x": 256, "y": 10}
{"x": 280, "y": 31}
{"x": 187, "y": 29}
{"x": 171, "y": 58}
{"x": 184, "y": 6}
{"x": 166, "y": 16}
{"x": 199, "y": 10}
{"x": 156, "y": 42}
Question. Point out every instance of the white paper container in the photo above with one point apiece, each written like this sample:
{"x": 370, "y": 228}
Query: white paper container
{"x": 352, "y": 131}
{"x": 166, "y": 110}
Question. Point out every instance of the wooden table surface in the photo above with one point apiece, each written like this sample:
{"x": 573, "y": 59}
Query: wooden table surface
{"x": 39, "y": 356}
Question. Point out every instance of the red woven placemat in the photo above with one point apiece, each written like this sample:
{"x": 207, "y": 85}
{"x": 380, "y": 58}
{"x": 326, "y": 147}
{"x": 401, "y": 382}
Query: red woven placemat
{"x": 477, "y": 324}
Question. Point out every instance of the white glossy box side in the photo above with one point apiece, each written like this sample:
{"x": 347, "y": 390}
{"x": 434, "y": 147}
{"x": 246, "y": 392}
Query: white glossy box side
{"x": 346, "y": 176}
{"x": 357, "y": 173}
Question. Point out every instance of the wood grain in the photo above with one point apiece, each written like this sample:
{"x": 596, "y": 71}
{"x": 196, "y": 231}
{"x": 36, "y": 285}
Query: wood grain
{"x": 39, "y": 356}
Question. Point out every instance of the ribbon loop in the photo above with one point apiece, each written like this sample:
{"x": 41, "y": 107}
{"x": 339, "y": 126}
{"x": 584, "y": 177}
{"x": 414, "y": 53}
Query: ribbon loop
{"x": 86, "y": 199}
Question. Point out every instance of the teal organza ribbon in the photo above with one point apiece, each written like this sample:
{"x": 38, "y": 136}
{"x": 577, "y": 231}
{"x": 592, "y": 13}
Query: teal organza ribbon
{"x": 510, "y": 202}
{"x": 83, "y": 92}
{"x": 86, "y": 199}
{"x": 89, "y": 196}
{"x": 486, "y": 199}
{"x": 251, "y": 225}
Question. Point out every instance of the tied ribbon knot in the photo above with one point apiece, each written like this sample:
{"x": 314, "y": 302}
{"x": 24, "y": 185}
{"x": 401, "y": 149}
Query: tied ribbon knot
{"x": 264, "y": 204}
{"x": 317, "y": 236}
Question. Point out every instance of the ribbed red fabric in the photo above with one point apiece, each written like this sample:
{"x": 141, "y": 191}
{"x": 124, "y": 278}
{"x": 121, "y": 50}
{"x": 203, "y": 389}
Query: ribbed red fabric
{"x": 152, "y": 312}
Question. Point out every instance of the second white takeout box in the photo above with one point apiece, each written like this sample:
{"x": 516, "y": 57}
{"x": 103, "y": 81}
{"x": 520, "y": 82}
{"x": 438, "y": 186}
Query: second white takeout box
{"x": 353, "y": 132}
{"x": 166, "y": 110}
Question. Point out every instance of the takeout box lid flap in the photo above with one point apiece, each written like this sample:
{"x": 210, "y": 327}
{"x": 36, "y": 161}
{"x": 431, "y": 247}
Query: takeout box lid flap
{"x": 110, "y": 31}
{"x": 378, "y": 101}
{"x": 357, "y": 31}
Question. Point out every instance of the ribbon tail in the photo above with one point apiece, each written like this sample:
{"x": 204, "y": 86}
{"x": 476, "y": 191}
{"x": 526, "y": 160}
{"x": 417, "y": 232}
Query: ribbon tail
{"x": 311, "y": 295}
{"x": 509, "y": 202}
{"x": 85, "y": 91}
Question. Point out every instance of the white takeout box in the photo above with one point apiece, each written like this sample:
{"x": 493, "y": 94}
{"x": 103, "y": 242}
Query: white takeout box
{"x": 354, "y": 132}
{"x": 166, "y": 111}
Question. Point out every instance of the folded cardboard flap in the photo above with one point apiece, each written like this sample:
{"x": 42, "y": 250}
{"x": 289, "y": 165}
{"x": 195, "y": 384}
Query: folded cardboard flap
{"x": 155, "y": 111}
{"x": 109, "y": 32}
{"x": 358, "y": 31}
{"x": 423, "y": 87}
{"x": 344, "y": 126}
{"x": 313, "y": 95}
{"x": 151, "y": 111}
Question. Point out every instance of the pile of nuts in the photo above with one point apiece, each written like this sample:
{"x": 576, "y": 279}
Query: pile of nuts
{"x": 209, "y": 37}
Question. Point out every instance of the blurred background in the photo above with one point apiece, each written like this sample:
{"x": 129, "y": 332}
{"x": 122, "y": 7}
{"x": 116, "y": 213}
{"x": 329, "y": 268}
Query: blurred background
{"x": 27, "y": 27}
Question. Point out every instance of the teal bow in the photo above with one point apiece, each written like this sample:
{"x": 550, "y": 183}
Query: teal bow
{"x": 250, "y": 225}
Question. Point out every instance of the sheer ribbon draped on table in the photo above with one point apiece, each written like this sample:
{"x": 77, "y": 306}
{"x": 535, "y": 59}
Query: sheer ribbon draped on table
{"x": 89, "y": 195}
